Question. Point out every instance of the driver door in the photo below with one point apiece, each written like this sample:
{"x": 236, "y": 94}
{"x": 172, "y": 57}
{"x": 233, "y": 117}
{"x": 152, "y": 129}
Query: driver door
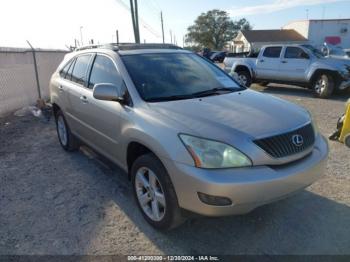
{"x": 102, "y": 118}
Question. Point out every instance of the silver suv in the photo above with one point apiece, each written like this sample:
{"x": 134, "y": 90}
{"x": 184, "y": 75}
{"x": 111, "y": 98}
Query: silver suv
{"x": 187, "y": 134}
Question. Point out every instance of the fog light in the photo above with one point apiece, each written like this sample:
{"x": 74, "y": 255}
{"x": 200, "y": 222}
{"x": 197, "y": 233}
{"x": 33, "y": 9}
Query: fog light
{"x": 214, "y": 200}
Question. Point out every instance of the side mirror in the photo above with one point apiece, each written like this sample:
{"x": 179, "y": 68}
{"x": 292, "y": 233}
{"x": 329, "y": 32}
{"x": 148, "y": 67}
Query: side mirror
{"x": 107, "y": 92}
{"x": 305, "y": 55}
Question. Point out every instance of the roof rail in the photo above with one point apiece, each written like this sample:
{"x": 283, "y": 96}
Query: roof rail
{"x": 87, "y": 47}
{"x": 128, "y": 46}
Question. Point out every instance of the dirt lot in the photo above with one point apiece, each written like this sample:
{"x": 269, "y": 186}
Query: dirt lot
{"x": 53, "y": 202}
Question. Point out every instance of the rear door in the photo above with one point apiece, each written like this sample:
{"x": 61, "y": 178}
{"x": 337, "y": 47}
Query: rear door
{"x": 267, "y": 64}
{"x": 76, "y": 85}
{"x": 294, "y": 64}
{"x": 63, "y": 84}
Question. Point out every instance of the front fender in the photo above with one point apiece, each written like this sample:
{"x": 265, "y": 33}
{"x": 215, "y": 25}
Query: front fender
{"x": 314, "y": 68}
{"x": 162, "y": 143}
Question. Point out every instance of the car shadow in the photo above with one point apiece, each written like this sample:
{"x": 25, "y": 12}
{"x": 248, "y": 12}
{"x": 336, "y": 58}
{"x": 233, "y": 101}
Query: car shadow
{"x": 279, "y": 89}
{"x": 305, "y": 223}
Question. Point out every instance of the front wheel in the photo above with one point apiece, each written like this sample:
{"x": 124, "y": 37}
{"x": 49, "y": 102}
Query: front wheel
{"x": 154, "y": 193}
{"x": 323, "y": 85}
{"x": 244, "y": 78}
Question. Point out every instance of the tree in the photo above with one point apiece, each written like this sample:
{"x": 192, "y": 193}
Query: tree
{"x": 214, "y": 28}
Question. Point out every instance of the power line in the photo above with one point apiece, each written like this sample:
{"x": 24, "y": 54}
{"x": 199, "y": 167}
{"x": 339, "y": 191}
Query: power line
{"x": 145, "y": 24}
{"x": 155, "y": 4}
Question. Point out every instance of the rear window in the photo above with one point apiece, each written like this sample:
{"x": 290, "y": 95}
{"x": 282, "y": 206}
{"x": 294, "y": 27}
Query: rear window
{"x": 272, "y": 52}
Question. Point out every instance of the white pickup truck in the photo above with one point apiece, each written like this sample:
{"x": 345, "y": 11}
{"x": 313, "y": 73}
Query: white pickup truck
{"x": 301, "y": 65}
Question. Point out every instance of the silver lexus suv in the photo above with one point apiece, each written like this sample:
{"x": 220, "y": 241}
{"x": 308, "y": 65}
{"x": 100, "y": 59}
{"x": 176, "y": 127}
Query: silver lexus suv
{"x": 187, "y": 134}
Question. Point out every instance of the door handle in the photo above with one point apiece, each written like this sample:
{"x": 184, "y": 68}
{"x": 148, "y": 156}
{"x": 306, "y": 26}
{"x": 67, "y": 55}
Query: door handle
{"x": 84, "y": 99}
{"x": 284, "y": 62}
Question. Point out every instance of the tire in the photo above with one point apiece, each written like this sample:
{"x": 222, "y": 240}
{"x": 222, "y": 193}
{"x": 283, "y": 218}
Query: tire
{"x": 67, "y": 140}
{"x": 244, "y": 78}
{"x": 323, "y": 85}
{"x": 169, "y": 214}
{"x": 347, "y": 140}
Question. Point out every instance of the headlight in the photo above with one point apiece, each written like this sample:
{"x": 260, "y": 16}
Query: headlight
{"x": 345, "y": 72}
{"x": 212, "y": 154}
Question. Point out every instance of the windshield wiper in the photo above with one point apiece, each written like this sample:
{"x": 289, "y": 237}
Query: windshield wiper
{"x": 215, "y": 91}
{"x": 168, "y": 98}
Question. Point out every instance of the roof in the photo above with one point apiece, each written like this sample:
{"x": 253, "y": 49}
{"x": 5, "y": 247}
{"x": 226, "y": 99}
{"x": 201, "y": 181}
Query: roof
{"x": 129, "y": 46}
{"x": 273, "y": 35}
{"x": 321, "y": 20}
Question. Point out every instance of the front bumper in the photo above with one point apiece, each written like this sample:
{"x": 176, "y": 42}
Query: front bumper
{"x": 247, "y": 188}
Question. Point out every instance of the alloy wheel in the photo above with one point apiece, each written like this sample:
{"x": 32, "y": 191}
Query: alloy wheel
{"x": 150, "y": 194}
{"x": 242, "y": 79}
{"x": 321, "y": 84}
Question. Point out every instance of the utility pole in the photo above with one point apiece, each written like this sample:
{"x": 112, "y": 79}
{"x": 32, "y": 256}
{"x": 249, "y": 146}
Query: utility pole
{"x": 323, "y": 12}
{"x": 171, "y": 37}
{"x": 117, "y": 35}
{"x": 135, "y": 20}
{"x": 161, "y": 19}
{"x": 81, "y": 35}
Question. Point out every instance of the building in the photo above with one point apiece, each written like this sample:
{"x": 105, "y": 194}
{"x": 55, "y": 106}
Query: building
{"x": 318, "y": 32}
{"x": 247, "y": 40}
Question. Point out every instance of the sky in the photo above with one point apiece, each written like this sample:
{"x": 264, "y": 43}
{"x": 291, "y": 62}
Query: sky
{"x": 57, "y": 23}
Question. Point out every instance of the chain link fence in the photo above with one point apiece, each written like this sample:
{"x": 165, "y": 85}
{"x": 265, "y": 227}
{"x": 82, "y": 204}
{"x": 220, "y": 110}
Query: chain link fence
{"x": 18, "y": 85}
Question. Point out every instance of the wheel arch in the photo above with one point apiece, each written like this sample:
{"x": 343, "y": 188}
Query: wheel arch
{"x": 317, "y": 72}
{"x": 55, "y": 109}
{"x": 135, "y": 149}
{"x": 243, "y": 68}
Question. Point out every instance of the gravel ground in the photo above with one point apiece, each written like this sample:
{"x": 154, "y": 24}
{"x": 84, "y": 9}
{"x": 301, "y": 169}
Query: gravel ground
{"x": 53, "y": 202}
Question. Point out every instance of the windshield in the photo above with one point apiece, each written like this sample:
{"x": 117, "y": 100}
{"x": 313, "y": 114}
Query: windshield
{"x": 314, "y": 50}
{"x": 173, "y": 76}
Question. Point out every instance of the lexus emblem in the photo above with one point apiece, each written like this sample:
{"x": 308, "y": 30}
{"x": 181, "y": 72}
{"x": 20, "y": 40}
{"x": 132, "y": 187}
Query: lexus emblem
{"x": 297, "y": 140}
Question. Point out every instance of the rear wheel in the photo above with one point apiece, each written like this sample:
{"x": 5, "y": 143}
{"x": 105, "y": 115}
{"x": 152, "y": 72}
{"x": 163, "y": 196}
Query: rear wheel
{"x": 154, "y": 193}
{"x": 323, "y": 85}
{"x": 244, "y": 78}
{"x": 66, "y": 138}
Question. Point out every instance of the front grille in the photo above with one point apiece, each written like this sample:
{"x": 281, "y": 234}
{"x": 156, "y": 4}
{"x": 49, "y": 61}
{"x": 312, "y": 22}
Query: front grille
{"x": 282, "y": 145}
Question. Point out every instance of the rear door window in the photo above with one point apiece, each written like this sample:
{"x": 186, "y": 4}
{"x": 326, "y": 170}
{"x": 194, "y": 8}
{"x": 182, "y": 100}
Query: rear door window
{"x": 272, "y": 52}
{"x": 80, "y": 69}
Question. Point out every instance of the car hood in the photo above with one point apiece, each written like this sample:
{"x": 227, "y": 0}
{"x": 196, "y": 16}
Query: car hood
{"x": 246, "y": 113}
{"x": 336, "y": 61}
